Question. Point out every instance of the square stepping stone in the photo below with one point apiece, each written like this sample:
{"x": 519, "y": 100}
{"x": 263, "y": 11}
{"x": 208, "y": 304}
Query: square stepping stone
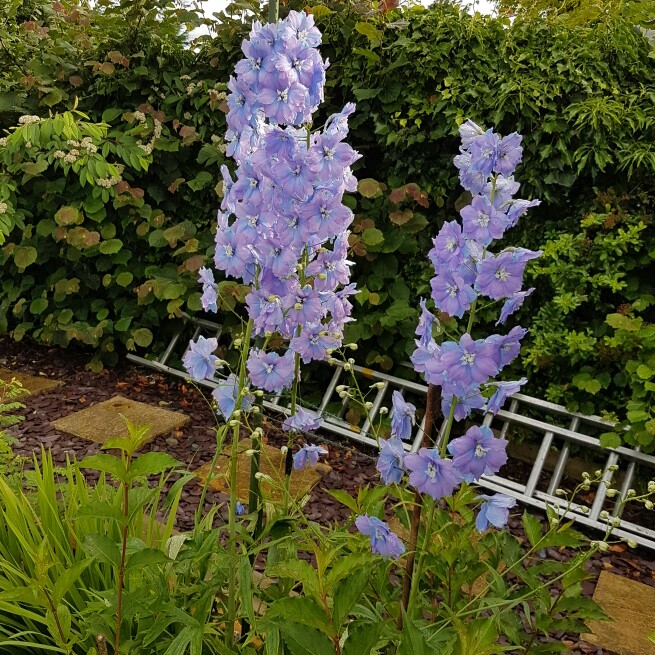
{"x": 33, "y": 383}
{"x": 271, "y": 464}
{"x": 631, "y": 608}
{"x": 105, "y": 420}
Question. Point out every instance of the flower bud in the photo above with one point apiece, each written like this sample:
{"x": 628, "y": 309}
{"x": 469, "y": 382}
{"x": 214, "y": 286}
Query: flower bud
{"x": 237, "y": 343}
{"x": 377, "y": 385}
{"x": 347, "y": 367}
{"x": 611, "y": 493}
{"x": 329, "y": 351}
{"x": 351, "y": 360}
{"x": 651, "y": 486}
{"x": 631, "y": 493}
{"x": 322, "y": 276}
{"x": 258, "y": 432}
{"x": 341, "y": 387}
{"x": 259, "y": 393}
{"x": 298, "y": 306}
{"x": 255, "y": 410}
{"x": 560, "y": 492}
{"x": 332, "y": 361}
{"x": 272, "y": 298}
{"x": 604, "y": 515}
{"x": 598, "y": 473}
{"x": 236, "y": 413}
{"x": 631, "y": 543}
{"x": 613, "y": 468}
{"x": 585, "y": 475}
{"x": 584, "y": 510}
{"x": 383, "y": 410}
{"x": 251, "y": 451}
{"x": 648, "y": 504}
{"x": 368, "y": 405}
{"x": 554, "y": 521}
{"x": 233, "y": 423}
{"x": 352, "y": 346}
{"x": 284, "y": 450}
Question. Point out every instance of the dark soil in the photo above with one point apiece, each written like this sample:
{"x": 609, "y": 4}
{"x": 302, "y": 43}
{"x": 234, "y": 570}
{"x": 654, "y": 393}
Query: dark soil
{"x": 194, "y": 445}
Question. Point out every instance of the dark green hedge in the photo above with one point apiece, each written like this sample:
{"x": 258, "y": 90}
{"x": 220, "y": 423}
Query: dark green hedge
{"x": 584, "y": 99}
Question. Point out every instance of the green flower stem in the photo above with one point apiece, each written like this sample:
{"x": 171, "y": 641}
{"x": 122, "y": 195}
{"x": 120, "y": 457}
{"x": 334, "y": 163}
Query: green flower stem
{"x": 288, "y": 462}
{"x": 430, "y": 411}
{"x": 232, "y": 522}
{"x": 121, "y": 569}
{"x": 416, "y": 577}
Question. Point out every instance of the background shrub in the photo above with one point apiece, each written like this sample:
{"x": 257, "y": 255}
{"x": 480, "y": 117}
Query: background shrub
{"x": 582, "y": 96}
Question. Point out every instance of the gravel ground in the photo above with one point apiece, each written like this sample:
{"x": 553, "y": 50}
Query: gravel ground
{"x": 194, "y": 444}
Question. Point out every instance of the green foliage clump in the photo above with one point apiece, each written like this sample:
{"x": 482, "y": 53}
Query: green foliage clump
{"x": 591, "y": 344}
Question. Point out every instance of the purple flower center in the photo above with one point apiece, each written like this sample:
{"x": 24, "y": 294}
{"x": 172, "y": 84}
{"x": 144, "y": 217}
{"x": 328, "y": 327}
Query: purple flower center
{"x": 229, "y": 250}
{"x": 467, "y": 359}
{"x": 431, "y": 471}
{"x": 502, "y": 274}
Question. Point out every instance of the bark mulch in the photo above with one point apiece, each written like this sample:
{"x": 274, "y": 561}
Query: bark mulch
{"x": 194, "y": 445}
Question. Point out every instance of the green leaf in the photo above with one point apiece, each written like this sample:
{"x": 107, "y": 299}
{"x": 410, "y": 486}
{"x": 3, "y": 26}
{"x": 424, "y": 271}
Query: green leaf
{"x": 111, "y": 114}
{"x": 124, "y": 279}
{"x": 34, "y": 168}
{"x": 110, "y": 246}
{"x": 300, "y": 609}
{"x": 106, "y": 464}
{"x": 366, "y": 94}
{"x": 24, "y": 256}
{"x": 372, "y": 33}
{"x": 348, "y": 592}
{"x": 372, "y": 236}
{"x": 147, "y": 557}
{"x": 303, "y": 640}
{"x": 68, "y": 578}
{"x": 345, "y": 499}
{"x": 362, "y": 638}
{"x": 38, "y": 305}
{"x": 298, "y": 570}
{"x": 101, "y": 510}
{"x": 151, "y": 464}
{"x": 245, "y": 588}
{"x": 610, "y": 440}
{"x": 532, "y": 528}
{"x": 101, "y": 547}
{"x": 142, "y": 337}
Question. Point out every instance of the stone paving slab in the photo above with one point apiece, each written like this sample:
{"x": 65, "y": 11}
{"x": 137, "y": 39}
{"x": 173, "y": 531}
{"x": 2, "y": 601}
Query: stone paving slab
{"x": 35, "y": 384}
{"x": 631, "y": 608}
{"x": 271, "y": 463}
{"x": 105, "y": 420}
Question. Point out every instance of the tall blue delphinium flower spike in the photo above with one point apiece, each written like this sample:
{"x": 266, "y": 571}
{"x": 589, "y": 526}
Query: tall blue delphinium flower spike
{"x": 283, "y": 225}
{"x": 466, "y": 268}
{"x": 383, "y": 541}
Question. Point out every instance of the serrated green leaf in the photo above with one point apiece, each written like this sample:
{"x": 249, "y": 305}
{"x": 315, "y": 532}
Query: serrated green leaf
{"x": 610, "y": 440}
{"x": 101, "y": 547}
{"x": 110, "y": 247}
{"x": 152, "y": 464}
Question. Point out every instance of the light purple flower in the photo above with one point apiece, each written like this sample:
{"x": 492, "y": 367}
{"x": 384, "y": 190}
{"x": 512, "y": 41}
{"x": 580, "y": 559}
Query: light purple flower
{"x": 307, "y": 455}
{"x": 303, "y": 420}
{"x": 430, "y": 474}
{"x": 383, "y": 541}
{"x": 500, "y": 276}
{"x": 478, "y": 453}
{"x": 451, "y": 294}
{"x": 209, "y": 289}
{"x": 504, "y": 390}
{"x": 199, "y": 361}
{"x": 494, "y": 511}
{"x": 448, "y": 245}
{"x": 513, "y": 304}
{"x": 270, "y": 371}
{"x": 468, "y": 361}
{"x": 508, "y": 154}
{"x": 226, "y": 395}
{"x": 390, "y": 462}
{"x": 403, "y": 417}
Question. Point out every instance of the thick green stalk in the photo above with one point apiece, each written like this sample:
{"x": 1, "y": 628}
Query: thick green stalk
{"x": 232, "y": 516}
{"x": 273, "y": 10}
{"x": 416, "y": 581}
{"x": 121, "y": 568}
{"x": 430, "y": 412}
